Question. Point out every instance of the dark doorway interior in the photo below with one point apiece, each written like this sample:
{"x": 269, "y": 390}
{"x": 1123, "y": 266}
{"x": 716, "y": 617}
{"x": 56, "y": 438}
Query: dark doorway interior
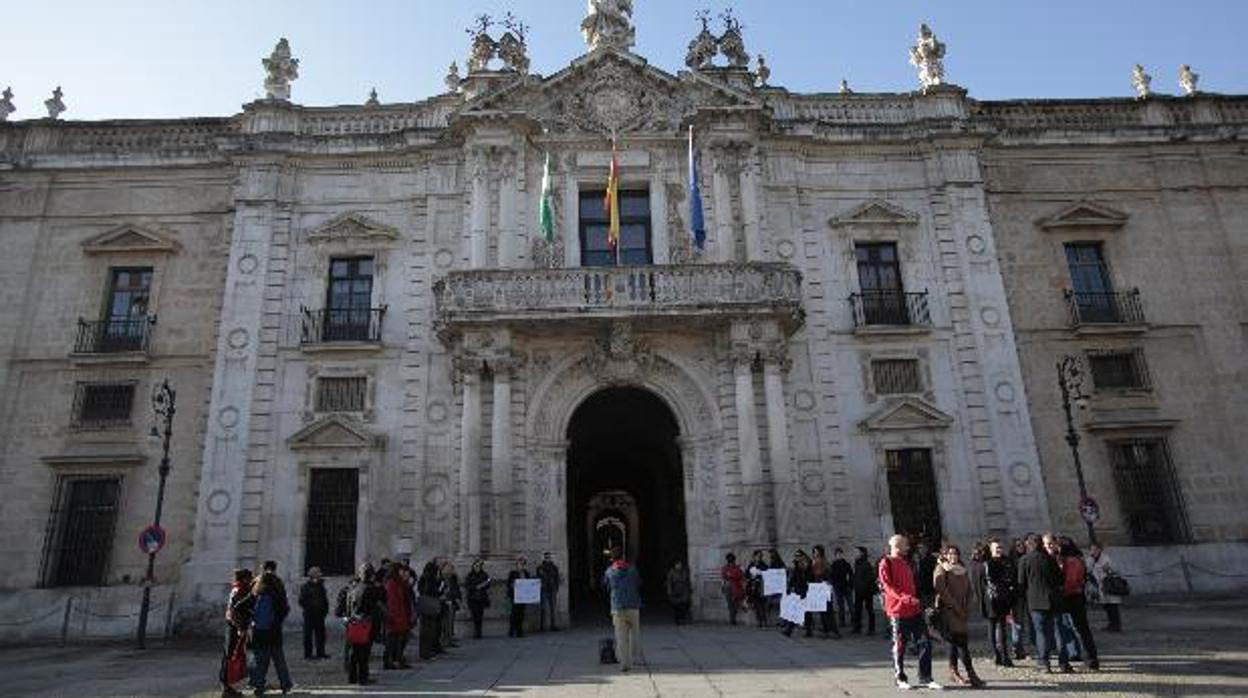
{"x": 624, "y": 482}
{"x": 912, "y": 490}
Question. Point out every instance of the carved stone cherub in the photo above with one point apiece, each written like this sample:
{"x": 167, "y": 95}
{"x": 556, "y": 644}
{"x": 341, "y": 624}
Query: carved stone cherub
{"x": 55, "y": 105}
{"x": 927, "y": 55}
{"x": 609, "y": 23}
{"x": 282, "y": 70}
{"x": 1187, "y": 80}
{"x": 1141, "y": 81}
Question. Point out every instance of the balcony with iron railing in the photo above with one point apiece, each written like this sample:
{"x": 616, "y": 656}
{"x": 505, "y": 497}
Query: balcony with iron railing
{"x": 1105, "y": 311}
{"x": 341, "y": 327}
{"x": 661, "y": 291}
{"x": 890, "y": 311}
{"x": 114, "y": 337}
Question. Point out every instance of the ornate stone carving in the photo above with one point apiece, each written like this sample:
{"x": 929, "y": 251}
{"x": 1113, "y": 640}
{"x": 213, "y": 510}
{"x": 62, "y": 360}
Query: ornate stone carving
{"x": 731, "y": 43}
{"x": 762, "y": 73}
{"x": 483, "y": 46}
{"x": 452, "y": 78}
{"x": 6, "y": 104}
{"x": 703, "y": 47}
{"x": 845, "y": 87}
{"x": 1188, "y": 80}
{"x": 282, "y": 69}
{"x": 619, "y": 357}
{"x": 511, "y": 47}
{"x": 372, "y": 99}
{"x": 609, "y": 24}
{"x": 928, "y": 55}
{"x": 55, "y": 105}
{"x": 1141, "y": 81}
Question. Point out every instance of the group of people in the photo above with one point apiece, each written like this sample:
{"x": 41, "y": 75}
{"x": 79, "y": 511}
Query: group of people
{"x": 382, "y": 605}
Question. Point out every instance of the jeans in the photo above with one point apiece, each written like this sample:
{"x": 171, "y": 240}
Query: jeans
{"x": 548, "y": 607}
{"x": 913, "y": 629}
{"x": 357, "y": 664}
{"x": 1078, "y": 606}
{"x": 627, "y": 622}
{"x": 842, "y": 602}
{"x": 999, "y": 636}
{"x": 864, "y": 604}
{"x": 1045, "y": 623}
{"x": 313, "y": 634}
{"x": 264, "y": 652}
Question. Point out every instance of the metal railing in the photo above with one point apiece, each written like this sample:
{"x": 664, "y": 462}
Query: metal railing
{"x": 890, "y": 308}
{"x": 342, "y": 325}
{"x": 1110, "y": 308}
{"x": 113, "y": 335}
{"x": 688, "y": 289}
{"x": 102, "y": 405}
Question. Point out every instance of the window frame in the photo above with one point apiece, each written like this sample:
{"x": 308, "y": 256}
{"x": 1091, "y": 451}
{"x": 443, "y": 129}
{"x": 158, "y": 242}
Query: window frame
{"x": 82, "y": 391}
{"x": 55, "y": 549}
{"x": 1138, "y": 370}
{"x": 325, "y": 557}
{"x": 1141, "y": 496}
{"x": 319, "y": 400}
{"x": 919, "y": 386}
{"x": 646, "y": 222}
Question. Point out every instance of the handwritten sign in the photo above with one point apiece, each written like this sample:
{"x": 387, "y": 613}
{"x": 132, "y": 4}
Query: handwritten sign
{"x": 775, "y": 582}
{"x": 818, "y": 595}
{"x": 793, "y": 609}
{"x": 528, "y": 591}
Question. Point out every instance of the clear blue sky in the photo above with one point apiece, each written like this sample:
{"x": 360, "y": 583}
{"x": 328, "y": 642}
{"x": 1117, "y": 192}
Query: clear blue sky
{"x": 149, "y": 59}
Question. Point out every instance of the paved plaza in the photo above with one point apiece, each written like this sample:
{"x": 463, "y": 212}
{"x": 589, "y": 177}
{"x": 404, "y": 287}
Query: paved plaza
{"x": 1176, "y": 647}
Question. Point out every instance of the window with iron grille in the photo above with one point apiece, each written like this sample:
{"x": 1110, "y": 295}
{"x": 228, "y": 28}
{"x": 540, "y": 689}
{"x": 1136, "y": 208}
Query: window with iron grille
{"x": 80, "y": 531}
{"x": 912, "y": 493}
{"x": 895, "y": 376}
{"x": 1148, "y": 491}
{"x": 1119, "y": 370}
{"x": 341, "y": 394}
{"x": 100, "y": 405}
{"x": 333, "y": 502}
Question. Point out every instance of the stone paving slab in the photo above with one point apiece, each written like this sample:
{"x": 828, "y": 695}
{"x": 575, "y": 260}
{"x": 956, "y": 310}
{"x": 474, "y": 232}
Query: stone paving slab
{"x": 1171, "y": 648}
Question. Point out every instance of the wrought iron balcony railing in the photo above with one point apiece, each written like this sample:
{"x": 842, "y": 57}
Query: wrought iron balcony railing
{"x": 890, "y": 308}
{"x": 113, "y": 335}
{"x": 329, "y": 325}
{"x": 489, "y": 295}
{"x": 1112, "y": 308}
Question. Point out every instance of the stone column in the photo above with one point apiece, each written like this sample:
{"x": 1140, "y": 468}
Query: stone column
{"x": 752, "y": 485}
{"x": 722, "y": 195}
{"x": 571, "y": 215}
{"x": 783, "y": 486}
{"x": 470, "y": 458}
{"x": 508, "y": 233}
{"x": 501, "y": 477}
{"x": 479, "y": 219}
{"x": 659, "y": 233}
{"x": 751, "y": 208}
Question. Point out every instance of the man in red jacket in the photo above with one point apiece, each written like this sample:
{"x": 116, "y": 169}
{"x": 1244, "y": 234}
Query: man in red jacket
{"x": 902, "y": 606}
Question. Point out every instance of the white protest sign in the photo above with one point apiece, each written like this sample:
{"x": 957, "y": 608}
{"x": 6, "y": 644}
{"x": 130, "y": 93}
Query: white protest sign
{"x": 528, "y": 591}
{"x": 818, "y": 595}
{"x": 775, "y": 582}
{"x": 793, "y": 609}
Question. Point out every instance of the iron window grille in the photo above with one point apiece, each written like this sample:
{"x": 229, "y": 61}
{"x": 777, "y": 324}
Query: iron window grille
{"x": 912, "y": 494}
{"x": 1149, "y": 495}
{"x": 333, "y": 503}
{"x": 1119, "y": 370}
{"x": 102, "y": 405}
{"x": 341, "y": 394}
{"x": 896, "y": 376}
{"x": 890, "y": 308}
{"x": 79, "y": 539}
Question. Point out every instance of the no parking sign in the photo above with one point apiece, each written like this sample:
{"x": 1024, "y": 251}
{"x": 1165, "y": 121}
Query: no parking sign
{"x": 152, "y": 539}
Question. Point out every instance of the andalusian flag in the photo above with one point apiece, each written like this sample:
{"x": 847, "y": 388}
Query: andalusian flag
{"x": 611, "y": 202}
{"x": 545, "y": 208}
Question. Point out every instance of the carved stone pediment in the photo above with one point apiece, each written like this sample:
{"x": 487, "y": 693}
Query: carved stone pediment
{"x": 354, "y": 228}
{"x": 130, "y": 238}
{"x": 1084, "y": 214}
{"x": 908, "y": 413}
{"x": 335, "y": 431}
{"x": 611, "y": 91}
{"x": 874, "y": 212}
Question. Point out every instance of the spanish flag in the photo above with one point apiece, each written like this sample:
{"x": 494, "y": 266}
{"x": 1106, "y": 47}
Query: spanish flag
{"x": 611, "y": 203}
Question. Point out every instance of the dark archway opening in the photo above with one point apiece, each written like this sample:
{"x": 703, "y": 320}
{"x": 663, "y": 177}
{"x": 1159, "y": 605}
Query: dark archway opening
{"x": 624, "y": 488}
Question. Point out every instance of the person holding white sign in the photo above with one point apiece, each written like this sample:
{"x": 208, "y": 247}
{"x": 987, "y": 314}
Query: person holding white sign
{"x": 821, "y": 572}
{"x": 799, "y": 580}
{"x": 516, "y": 626}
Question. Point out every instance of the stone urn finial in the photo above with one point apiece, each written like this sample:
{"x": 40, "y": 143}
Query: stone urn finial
{"x": 55, "y": 105}
{"x": 282, "y": 69}
{"x": 1188, "y": 80}
{"x": 1142, "y": 82}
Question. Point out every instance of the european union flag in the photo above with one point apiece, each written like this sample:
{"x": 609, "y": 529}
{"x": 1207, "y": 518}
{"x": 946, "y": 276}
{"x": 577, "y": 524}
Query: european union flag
{"x": 697, "y": 227}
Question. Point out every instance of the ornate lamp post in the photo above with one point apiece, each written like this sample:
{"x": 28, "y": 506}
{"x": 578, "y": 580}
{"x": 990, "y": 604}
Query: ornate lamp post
{"x": 1070, "y": 380}
{"x": 163, "y": 405}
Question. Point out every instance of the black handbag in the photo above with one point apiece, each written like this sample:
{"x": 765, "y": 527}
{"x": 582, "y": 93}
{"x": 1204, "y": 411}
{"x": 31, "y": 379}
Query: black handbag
{"x": 935, "y": 617}
{"x": 1115, "y": 584}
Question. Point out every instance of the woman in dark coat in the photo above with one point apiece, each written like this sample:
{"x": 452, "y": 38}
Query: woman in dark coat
{"x": 237, "y": 619}
{"x": 365, "y": 601}
{"x": 955, "y": 598}
{"x": 1000, "y": 599}
{"x": 477, "y": 584}
{"x": 754, "y": 587}
{"x": 429, "y": 605}
{"x": 799, "y": 583}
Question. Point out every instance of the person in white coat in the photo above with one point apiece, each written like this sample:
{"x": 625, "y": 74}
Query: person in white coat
{"x": 1101, "y": 567}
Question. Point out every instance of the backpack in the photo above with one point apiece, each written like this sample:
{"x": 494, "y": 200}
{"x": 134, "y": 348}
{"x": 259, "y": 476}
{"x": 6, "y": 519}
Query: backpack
{"x": 265, "y": 614}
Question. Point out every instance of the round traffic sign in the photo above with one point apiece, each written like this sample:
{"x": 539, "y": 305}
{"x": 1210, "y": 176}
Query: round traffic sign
{"x": 152, "y": 539}
{"x": 1089, "y": 510}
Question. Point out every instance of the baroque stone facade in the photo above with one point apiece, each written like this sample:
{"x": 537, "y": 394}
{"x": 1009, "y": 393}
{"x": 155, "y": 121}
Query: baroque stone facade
{"x": 363, "y": 292}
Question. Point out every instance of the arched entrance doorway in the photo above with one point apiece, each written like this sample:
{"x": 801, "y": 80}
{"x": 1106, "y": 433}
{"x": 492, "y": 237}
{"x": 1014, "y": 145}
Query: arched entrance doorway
{"x": 624, "y": 488}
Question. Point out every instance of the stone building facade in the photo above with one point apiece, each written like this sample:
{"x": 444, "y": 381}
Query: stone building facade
{"x": 379, "y": 354}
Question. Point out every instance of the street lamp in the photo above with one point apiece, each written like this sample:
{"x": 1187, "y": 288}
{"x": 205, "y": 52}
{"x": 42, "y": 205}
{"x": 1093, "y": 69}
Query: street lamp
{"x": 163, "y": 405}
{"x": 1070, "y": 380}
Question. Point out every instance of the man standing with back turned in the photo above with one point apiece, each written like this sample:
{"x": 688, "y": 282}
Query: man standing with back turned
{"x": 901, "y": 605}
{"x": 624, "y": 583}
